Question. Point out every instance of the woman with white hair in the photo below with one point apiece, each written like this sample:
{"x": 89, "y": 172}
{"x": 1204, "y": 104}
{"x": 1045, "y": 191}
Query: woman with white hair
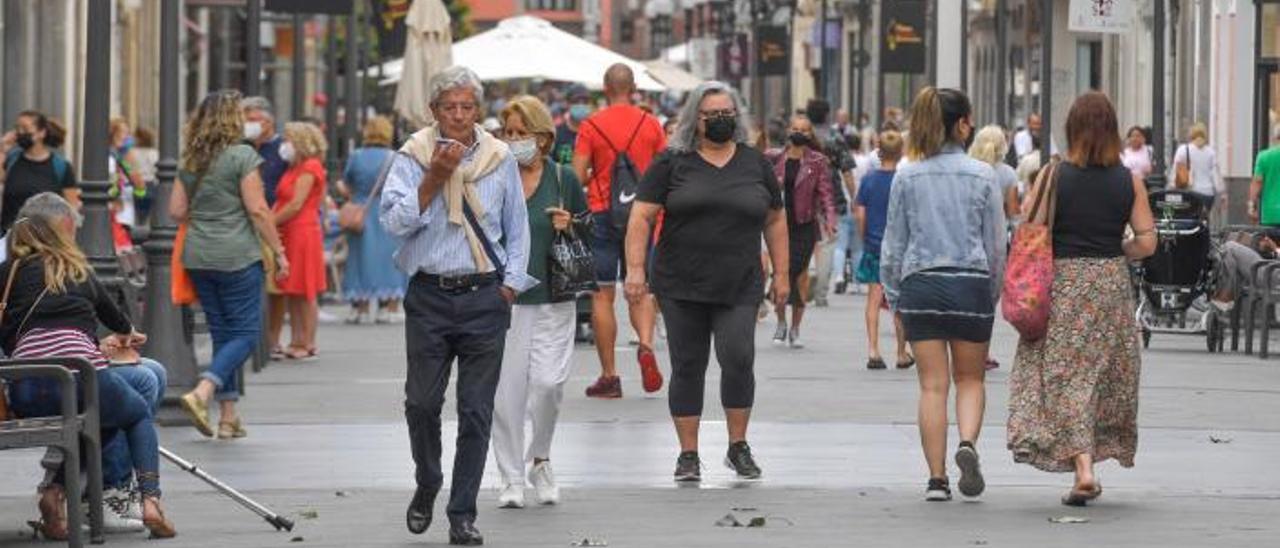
{"x": 990, "y": 147}
{"x": 1196, "y": 167}
{"x": 719, "y": 195}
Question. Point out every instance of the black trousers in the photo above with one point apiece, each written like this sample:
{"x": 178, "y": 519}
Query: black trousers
{"x": 690, "y": 329}
{"x": 439, "y": 327}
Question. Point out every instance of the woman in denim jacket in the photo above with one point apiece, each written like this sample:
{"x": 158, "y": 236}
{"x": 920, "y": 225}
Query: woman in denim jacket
{"x": 942, "y": 264}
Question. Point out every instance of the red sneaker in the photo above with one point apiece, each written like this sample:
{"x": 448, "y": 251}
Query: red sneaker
{"x": 609, "y": 388}
{"x": 649, "y": 371}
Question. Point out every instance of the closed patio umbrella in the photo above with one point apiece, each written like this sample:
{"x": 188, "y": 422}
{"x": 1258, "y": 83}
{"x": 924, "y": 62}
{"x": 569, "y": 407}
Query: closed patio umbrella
{"x": 428, "y": 50}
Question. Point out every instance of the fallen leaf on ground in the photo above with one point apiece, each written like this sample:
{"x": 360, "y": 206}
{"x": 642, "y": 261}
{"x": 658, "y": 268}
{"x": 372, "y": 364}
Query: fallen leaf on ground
{"x": 756, "y": 522}
{"x": 1216, "y": 439}
{"x": 308, "y": 514}
{"x": 296, "y": 539}
{"x": 340, "y": 494}
{"x": 589, "y": 542}
{"x": 1068, "y": 519}
{"x": 729, "y": 520}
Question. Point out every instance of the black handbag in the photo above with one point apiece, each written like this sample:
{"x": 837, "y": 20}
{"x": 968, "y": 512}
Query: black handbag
{"x": 571, "y": 268}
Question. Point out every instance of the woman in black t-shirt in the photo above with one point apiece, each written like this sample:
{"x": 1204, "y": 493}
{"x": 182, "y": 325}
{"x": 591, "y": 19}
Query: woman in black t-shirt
{"x": 31, "y": 165}
{"x": 1073, "y": 395}
{"x": 719, "y": 195}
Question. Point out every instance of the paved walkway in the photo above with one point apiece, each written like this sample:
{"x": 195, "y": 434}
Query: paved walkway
{"x": 838, "y": 444}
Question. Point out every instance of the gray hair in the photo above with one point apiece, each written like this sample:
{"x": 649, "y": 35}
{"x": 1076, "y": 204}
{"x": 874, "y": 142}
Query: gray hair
{"x": 685, "y": 138}
{"x": 258, "y": 103}
{"x": 49, "y": 206}
{"x": 455, "y": 77}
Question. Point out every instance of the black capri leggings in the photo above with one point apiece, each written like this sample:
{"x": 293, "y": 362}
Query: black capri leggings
{"x": 690, "y": 328}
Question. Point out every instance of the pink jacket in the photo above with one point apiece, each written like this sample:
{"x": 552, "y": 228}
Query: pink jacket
{"x": 814, "y": 194}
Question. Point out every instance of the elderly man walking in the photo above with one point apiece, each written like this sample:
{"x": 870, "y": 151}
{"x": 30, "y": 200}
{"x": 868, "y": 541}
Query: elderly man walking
{"x": 453, "y": 196}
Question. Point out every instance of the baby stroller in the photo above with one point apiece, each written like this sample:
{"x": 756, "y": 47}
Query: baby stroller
{"x": 1173, "y": 283}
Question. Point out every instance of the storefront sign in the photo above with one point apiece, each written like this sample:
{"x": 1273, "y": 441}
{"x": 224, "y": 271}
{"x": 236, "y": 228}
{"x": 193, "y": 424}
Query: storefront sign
{"x": 1104, "y": 16}
{"x": 772, "y": 50}
{"x": 903, "y": 48}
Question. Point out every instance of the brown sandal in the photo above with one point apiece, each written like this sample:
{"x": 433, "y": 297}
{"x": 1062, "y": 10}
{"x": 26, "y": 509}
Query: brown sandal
{"x": 1081, "y": 497}
{"x": 158, "y": 525}
{"x": 53, "y": 514}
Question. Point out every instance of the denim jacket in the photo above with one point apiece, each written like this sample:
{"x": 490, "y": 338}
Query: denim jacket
{"x": 944, "y": 211}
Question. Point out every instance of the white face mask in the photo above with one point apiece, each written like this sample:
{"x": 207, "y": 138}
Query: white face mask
{"x": 252, "y": 130}
{"x": 287, "y": 152}
{"x": 525, "y": 150}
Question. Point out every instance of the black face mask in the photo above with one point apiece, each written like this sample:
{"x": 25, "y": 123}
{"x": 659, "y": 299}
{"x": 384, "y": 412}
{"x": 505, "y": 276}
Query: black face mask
{"x": 798, "y": 139}
{"x": 720, "y": 129}
{"x": 25, "y": 140}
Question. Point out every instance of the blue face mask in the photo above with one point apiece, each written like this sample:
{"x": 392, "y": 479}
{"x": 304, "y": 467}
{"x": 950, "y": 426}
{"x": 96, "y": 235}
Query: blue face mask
{"x": 579, "y": 112}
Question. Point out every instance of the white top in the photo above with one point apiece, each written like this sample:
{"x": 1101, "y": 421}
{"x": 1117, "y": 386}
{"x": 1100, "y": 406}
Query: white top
{"x": 1204, "y": 169}
{"x": 1138, "y": 161}
{"x": 1022, "y": 143}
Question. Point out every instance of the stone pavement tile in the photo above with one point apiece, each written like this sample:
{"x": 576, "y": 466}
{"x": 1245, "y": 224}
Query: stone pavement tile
{"x": 685, "y": 517}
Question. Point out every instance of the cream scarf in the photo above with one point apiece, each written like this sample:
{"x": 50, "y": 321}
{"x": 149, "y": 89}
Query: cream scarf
{"x": 488, "y": 155}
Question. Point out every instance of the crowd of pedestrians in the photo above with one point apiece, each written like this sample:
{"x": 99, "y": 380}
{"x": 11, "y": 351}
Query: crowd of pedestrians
{"x": 702, "y": 225}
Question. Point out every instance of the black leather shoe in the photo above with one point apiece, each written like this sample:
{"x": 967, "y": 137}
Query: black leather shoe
{"x": 418, "y": 518}
{"x": 464, "y": 533}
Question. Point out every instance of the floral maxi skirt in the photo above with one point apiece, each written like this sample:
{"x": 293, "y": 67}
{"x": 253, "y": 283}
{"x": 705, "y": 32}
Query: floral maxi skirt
{"x": 1076, "y": 390}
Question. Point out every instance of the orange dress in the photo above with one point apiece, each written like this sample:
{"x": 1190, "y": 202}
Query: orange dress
{"x": 302, "y": 235}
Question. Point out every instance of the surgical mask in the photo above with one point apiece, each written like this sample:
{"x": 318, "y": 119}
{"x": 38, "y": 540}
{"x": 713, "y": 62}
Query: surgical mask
{"x": 579, "y": 112}
{"x": 25, "y": 140}
{"x": 287, "y": 152}
{"x": 721, "y": 129}
{"x": 525, "y": 151}
{"x": 798, "y": 138}
{"x": 252, "y": 130}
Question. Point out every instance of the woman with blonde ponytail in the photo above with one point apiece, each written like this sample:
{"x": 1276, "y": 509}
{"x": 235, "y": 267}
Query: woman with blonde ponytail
{"x": 942, "y": 262}
{"x": 1196, "y": 167}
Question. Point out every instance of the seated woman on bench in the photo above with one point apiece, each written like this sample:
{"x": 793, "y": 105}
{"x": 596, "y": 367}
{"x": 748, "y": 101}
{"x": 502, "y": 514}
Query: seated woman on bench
{"x": 53, "y": 304}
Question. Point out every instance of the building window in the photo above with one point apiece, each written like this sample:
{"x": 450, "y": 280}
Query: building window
{"x": 627, "y": 30}
{"x": 551, "y": 5}
{"x": 1088, "y": 66}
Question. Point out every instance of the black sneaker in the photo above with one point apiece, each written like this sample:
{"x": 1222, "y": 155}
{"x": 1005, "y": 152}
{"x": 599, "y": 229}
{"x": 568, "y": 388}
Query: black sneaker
{"x": 939, "y": 490}
{"x": 689, "y": 467}
{"x": 739, "y": 459}
{"x": 971, "y": 482}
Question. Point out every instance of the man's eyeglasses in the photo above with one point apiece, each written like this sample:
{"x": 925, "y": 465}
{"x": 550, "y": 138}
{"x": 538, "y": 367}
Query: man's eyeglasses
{"x": 723, "y": 113}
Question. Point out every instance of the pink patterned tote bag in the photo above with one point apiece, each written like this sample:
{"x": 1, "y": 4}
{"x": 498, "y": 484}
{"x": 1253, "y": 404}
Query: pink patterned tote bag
{"x": 1028, "y": 277}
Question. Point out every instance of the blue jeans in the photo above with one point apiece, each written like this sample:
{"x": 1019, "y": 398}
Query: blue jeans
{"x": 848, "y": 246}
{"x": 232, "y": 304}
{"x": 123, "y": 410}
{"x": 148, "y": 378}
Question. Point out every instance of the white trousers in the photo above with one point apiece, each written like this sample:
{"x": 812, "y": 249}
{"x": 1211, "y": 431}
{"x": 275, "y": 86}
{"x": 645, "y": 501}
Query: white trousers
{"x": 535, "y": 367}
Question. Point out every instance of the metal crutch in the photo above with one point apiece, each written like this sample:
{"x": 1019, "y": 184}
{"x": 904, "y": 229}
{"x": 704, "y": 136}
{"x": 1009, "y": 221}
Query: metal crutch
{"x": 278, "y": 521}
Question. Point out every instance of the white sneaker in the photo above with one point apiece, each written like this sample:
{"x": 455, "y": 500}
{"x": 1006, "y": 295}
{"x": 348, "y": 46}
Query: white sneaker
{"x": 544, "y": 483}
{"x": 512, "y": 496}
{"x": 120, "y": 512}
{"x": 793, "y": 339}
{"x": 355, "y": 316}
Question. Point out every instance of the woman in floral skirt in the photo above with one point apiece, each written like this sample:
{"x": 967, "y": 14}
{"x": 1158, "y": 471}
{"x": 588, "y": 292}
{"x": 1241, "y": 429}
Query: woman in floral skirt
{"x": 1074, "y": 394}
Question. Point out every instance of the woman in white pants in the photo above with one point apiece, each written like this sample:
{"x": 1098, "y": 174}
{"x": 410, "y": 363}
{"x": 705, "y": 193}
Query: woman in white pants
{"x": 540, "y": 340}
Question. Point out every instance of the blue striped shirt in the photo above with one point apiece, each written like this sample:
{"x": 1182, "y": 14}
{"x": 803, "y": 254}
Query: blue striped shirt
{"x": 430, "y": 244}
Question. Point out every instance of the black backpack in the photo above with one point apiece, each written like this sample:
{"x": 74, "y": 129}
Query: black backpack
{"x": 624, "y": 178}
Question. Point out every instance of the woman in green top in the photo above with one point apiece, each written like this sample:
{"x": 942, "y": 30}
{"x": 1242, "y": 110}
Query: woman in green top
{"x": 540, "y": 340}
{"x": 221, "y": 200}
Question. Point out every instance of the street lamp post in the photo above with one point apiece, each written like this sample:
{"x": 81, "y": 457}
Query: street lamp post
{"x": 299, "y": 77}
{"x": 1002, "y": 61}
{"x": 352, "y": 81}
{"x": 95, "y": 236}
{"x": 252, "y": 47}
{"x": 168, "y": 342}
{"x": 1157, "y": 177}
{"x": 1046, "y": 80}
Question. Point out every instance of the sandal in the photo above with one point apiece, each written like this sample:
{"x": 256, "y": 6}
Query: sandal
{"x": 198, "y": 412}
{"x": 297, "y": 353}
{"x": 158, "y": 525}
{"x": 876, "y": 363}
{"x": 911, "y": 360}
{"x": 277, "y": 354}
{"x": 1081, "y": 497}
{"x": 231, "y": 430}
{"x": 53, "y": 514}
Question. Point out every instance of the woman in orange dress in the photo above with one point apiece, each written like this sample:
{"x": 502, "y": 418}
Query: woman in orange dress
{"x": 297, "y": 215}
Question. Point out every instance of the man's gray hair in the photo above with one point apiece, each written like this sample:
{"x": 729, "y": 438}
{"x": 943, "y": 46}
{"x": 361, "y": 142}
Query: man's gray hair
{"x": 258, "y": 103}
{"x": 455, "y": 77}
{"x": 49, "y": 206}
{"x": 685, "y": 138}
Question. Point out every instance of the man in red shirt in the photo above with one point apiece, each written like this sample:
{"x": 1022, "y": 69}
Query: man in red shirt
{"x": 619, "y": 127}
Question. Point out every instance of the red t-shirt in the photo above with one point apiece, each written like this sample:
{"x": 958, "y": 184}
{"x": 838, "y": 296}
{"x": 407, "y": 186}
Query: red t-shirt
{"x": 617, "y": 122}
